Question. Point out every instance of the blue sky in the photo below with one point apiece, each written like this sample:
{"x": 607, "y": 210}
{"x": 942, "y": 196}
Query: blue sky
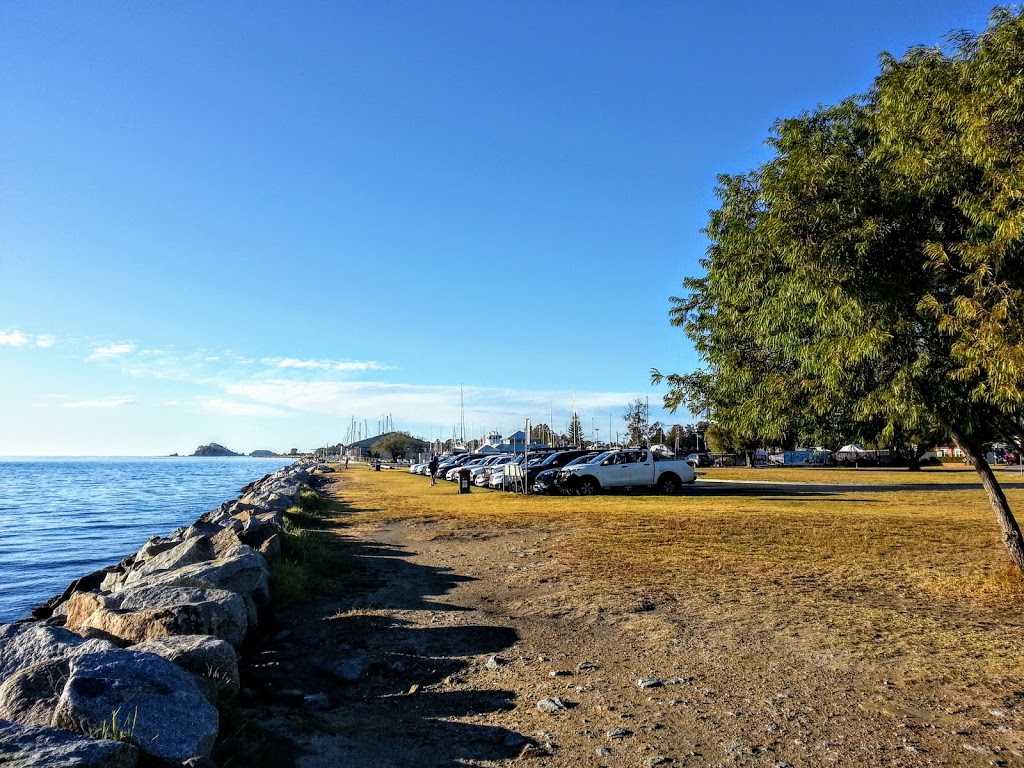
{"x": 250, "y": 222}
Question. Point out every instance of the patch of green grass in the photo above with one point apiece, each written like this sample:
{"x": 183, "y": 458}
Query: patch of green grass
{"x": 308, "y": 563}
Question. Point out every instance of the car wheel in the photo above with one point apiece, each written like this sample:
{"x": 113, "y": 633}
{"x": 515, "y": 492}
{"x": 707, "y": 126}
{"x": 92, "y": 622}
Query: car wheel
{"x": 588, "y": 486}
{"x": 668, "y": 484}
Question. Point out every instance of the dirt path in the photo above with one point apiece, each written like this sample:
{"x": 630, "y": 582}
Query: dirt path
{"x": 438, "y": 651}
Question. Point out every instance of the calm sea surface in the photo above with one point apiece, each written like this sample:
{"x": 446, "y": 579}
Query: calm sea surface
{"x": 61, "y": 518}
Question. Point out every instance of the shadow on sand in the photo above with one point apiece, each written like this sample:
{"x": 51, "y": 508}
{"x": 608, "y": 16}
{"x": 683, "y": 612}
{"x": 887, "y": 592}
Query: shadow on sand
{"x": 389, "y": 656}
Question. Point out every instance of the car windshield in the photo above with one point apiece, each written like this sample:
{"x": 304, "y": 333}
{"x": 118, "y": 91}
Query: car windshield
{"x": 551, "y": 458}
{"x": 599, "y": 458}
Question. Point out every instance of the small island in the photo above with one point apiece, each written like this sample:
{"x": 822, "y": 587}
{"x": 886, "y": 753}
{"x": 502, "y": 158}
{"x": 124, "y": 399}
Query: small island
{"x": 215, "y": 449}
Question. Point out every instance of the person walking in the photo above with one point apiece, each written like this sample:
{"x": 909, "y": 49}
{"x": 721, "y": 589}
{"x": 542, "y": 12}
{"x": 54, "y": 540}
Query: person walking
{"x": 432, "y": 467}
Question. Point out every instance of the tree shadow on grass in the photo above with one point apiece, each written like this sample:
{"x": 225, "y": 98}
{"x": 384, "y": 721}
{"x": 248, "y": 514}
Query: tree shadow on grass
{"x": 753, "y": 489}
{"x": 392, "y": 660}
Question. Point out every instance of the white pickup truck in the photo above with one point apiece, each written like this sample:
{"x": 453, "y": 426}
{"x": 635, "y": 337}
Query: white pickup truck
{"x": 627, "y": 468}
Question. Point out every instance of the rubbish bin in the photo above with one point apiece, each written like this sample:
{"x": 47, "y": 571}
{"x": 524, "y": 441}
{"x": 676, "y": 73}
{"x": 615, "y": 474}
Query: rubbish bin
{"x": 376, "y": 465}
{"x": 464, "y": 480}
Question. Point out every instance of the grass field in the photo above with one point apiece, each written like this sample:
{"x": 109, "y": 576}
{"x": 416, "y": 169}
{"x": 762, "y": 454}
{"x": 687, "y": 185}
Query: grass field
{"x": 946, "y": 473}
{"x": 919, "y": 575}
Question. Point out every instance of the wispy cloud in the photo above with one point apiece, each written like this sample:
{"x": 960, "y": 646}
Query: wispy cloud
{"x": 19, "y": 339}
{"x": 238, "y": 408}
{"x": 13, "y": 339}
{"x": 110, "y": 352}
{"x": 344, "y": 366}
{"x": 421, "y": 404}
{"x": 110, "y": 402}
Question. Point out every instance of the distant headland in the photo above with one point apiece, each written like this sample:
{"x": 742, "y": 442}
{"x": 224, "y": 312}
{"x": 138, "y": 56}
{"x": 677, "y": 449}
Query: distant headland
{"x": 216, "y": 449}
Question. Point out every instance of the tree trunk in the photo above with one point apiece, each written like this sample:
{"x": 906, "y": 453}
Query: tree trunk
{"x": 1012, "y": 539}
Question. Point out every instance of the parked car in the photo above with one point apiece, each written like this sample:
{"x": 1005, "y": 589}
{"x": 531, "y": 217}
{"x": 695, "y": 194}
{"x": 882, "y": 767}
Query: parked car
{"x": 454, "y": 461}
{"x": 496, "y": 480}
{"x": 499, "y": 477}
{"x": 628, "y": 468}
{"x": 452, "y": 474}
{"x": 553, "y": 461}
{"x": 699, "y": 459}
{"x": 547, "y": 479}
{"x": 1007, "y": 456}
{"x": 482, "y": 474}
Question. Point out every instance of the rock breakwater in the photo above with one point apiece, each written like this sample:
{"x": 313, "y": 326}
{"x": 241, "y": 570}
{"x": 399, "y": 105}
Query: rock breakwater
{"x": 125, "y": 666}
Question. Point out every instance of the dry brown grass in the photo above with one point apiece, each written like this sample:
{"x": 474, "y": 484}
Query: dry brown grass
{"x": 918, "y": 575}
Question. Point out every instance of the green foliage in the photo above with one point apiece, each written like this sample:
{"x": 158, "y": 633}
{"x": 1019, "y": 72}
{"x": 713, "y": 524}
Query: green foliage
{"x": 397, "y": 445}
{"x": 871, "y": 273}
{"x": 575, "y": 436}
{"x": 307, "y": 562}
{"x": 542, "y": 433}
{"x": 639, "y": 429}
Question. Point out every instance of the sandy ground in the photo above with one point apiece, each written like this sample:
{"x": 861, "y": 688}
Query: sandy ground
{"x": 477, "y": 649}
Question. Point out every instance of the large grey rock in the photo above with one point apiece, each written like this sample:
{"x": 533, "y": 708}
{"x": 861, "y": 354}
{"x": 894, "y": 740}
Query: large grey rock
{"x": 258, "y": 530}
{"x": 85, "y": 583}
{"x": 271, "y": 548}
{"x": 150, "y": 612}
{"x": 30, "y": 695}
{"x": 211, "y": 659}
{"x": 201, "y": 528}
{"x": 188, "y": 552}
{"x": 38, "y": 747}
{"x": 220, "y": 517}
{"x": 81, "y": 605}
{"x": 159, "y": 704}
{"x": 154, "y": 546}
{"x": 243, "y": 571}
{"x": 113, "y": 581}
{"x": 226, "y": 540}
{"x": 25, "y": 645}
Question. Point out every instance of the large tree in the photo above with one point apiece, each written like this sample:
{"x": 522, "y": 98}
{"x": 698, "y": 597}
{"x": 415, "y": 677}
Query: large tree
{"x": 635, "y": 417}
{"x": 575, "y": 436}
{"x": 873, "y": 269}
{"x": 640, "y": 430}
{"x": 397, "y": 444}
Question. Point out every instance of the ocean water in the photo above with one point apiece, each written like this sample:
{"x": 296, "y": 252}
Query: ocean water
{"x": 61, "y": 518}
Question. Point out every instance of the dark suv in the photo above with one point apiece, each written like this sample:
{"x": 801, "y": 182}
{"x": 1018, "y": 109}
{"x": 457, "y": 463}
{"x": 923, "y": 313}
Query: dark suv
{"x": 546, "y": 480}
{"x": 554, "y": 461}
{"x": 699, "y": 459}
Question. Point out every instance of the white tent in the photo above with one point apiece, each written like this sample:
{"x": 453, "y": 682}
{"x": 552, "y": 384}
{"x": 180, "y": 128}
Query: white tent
{"x": 852, "y": 453}
{"x": 852, "y": 449}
